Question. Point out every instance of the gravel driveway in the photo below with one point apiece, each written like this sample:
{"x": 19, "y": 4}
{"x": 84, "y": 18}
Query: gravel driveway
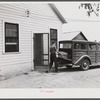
{"x": 73, "y": 78}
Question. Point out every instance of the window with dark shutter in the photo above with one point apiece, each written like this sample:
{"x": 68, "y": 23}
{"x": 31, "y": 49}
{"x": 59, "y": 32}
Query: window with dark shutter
{"x": 11, "y": 37}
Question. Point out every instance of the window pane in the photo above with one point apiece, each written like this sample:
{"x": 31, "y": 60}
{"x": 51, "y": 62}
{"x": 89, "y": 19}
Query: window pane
{"x": 11, "y": 26}
{"x": 92, "y": 47}
{"x": 11, "y": 30}
{"x": 80, "y": 46}
{"x": 65, "y": 45}
{"x": 11, "y": 37}
{"x": 83, "y": 46}
{"x": 11, "y": 40}
{"x": 77, "y": 46}
{"x": 53, "y": 36}
{"x": 11, "y": 33}
{"x": 11, "y": 48}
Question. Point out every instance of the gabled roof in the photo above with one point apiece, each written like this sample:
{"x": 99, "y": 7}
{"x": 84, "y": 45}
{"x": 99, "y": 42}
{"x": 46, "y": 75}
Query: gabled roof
{"x": 57, "y": 13}
{"x": 75, "y": 36}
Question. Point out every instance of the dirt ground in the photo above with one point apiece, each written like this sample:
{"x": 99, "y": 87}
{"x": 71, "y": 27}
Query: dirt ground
{"x": 74, "y": 78}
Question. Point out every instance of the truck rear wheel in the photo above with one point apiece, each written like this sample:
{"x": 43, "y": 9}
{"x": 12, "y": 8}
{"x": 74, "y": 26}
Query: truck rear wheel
{"x": 85, "y": 64}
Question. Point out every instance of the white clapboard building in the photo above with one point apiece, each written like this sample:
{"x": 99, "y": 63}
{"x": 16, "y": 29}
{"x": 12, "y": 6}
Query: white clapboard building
{"x": 26, "y": 31}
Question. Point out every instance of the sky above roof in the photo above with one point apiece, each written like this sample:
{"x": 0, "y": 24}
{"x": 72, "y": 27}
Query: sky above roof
{"x": 79, "y": 21}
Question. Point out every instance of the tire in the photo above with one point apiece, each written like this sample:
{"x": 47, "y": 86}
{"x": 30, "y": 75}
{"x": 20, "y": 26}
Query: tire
{"x": 85, "y": 64}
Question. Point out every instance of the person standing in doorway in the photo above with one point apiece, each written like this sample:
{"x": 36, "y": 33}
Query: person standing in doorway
{"x": 53, "y": 58}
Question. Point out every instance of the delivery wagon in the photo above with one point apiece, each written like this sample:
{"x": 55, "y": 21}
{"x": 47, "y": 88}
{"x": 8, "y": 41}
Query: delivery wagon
{"x": 79, "y": 53}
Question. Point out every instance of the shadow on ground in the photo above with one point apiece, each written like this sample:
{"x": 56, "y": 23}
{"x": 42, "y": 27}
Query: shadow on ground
{"x": 69, "y": 70}
{"x": 65, "y": 69}
{"x": 76, "y": 69}
{"x": 94, "y": 67}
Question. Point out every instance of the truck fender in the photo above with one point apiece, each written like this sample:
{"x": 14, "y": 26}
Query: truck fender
{"x": 78, "y": 62}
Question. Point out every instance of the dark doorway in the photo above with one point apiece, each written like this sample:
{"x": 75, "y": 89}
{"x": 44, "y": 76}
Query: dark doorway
{"x": 41, "y": 49}
{"x": 38, "y": 46}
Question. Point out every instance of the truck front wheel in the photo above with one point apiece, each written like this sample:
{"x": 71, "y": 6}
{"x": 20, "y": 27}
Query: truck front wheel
{"x": 85, "y": 64}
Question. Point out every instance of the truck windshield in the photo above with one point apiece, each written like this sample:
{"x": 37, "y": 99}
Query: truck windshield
{"x": 65, "y": 45}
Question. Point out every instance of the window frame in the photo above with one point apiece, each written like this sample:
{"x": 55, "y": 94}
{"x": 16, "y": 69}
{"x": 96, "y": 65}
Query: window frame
{"x": 54, "y": 38}
{"x": 4, "y": 29}
{"x": 92, "y": 48}
{"x": 80, "y": 43}
{"x": 69, "y": 43}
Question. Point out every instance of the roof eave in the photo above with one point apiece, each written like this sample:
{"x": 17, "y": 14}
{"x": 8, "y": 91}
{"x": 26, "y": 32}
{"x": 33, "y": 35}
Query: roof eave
{"x": 57, "y": 13}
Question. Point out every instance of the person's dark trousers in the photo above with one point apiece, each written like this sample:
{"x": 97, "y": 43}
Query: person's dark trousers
{"x": 53, "y": 59}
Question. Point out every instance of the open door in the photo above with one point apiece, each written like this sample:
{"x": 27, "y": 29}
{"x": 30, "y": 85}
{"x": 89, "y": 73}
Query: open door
{"x": 41, "y": 49}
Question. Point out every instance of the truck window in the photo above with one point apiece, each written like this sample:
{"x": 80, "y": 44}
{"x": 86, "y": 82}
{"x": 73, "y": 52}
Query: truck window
{"x": 92, "y": 47}
{"x": 66, "y": 45}
{"x": 80, "y": 46}
{"x": 77, "y": 46}
{"x": 83, "y": 46}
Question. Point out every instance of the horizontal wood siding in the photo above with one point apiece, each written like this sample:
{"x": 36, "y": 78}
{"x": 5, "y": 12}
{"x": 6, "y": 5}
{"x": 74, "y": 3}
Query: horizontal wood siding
{"x": 98, "y": 56}
{"x": 78, "y": 54}
{"x": 92, "y": 55}
{"x": 41, "y": 19}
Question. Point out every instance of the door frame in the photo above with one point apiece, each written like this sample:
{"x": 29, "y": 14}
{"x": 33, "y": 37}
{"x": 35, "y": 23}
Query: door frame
{"x": 43, "y": 49}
